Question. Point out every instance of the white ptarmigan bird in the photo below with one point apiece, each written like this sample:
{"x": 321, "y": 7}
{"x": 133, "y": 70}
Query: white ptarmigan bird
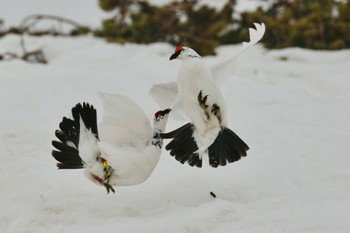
{"x": 123, "y": 150}
{"x": 201, "y": 101}
{"x": 165, "y": 94}
{"x": 196, "y": 95}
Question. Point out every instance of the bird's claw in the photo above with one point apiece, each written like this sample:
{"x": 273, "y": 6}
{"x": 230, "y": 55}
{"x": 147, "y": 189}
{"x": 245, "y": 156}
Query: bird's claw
{"x": 202, "y": 103}
{"x": 108, "y": 173}
{"x": 109, "y": 188}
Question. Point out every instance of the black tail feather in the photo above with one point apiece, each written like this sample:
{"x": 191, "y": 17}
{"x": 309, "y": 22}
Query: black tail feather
{"x": 219, "y": 157}
{"x": 66, "y": 166}
{"x": 66, "y": 149}
{"x": 69, "y": 131}
{"x": 194, "y": 160}
{"x": 89, "y": 116}
{"x": 67, "y": 158}
{"x": 182, "y": 146}
{"x": 175, "y": 132}
{"x": 226, "y": 147}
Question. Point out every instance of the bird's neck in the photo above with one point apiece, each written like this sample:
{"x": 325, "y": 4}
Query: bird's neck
{"x": 158, "y": 128}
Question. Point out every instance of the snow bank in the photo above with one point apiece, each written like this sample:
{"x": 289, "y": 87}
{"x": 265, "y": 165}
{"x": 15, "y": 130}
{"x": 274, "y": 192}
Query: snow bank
{"x": 291, "y": 106}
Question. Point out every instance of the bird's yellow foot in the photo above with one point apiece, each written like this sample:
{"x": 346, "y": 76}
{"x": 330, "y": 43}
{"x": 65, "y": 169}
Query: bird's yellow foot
{"x": 108, "y": 171}
{"x": 202, "y": 103}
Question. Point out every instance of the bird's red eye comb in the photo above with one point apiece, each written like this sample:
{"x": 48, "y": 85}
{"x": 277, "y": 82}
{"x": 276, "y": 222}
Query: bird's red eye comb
{"x": 156, "y": 114}
{"x": 178, "y": 48}
{"x": 162, "y": 112}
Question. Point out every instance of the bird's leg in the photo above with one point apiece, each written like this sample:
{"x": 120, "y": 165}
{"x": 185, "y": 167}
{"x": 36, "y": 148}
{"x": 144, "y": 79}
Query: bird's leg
{"x": 104, "y": 183}
{"x": 108, "y": 170}
{"x": 215, "y": 109}
{"x": 108, "y": 187}
{"x": 202, "y": 103}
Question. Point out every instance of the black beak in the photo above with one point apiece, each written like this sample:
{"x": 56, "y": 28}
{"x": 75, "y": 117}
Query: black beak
{"x": 174, "y": 56}
{"x": 162, "y": 112}
{"x": 166, "y": 111}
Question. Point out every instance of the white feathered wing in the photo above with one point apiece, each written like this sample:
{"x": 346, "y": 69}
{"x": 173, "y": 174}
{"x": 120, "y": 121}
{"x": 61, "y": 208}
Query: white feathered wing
{"x": 124, "y": 123}
{"x": 165, "y": 94}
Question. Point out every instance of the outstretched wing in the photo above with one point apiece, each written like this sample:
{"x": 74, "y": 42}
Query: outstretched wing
{"x": 223, "y": 70}
{"x": 124, "y": 123}
{"x": 165, "y": 94}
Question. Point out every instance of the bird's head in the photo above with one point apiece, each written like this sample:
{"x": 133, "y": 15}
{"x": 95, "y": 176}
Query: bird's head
{"x": 184, "y": 53}
{"x": 161, "y": 118}
{"x": 161, "y": 114}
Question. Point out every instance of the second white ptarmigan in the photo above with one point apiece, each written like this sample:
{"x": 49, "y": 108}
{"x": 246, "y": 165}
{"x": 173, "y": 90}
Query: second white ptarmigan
{"x": 165, "y": 93}
{"x": 201, "y": 101}
{"x": 123, "y": 150}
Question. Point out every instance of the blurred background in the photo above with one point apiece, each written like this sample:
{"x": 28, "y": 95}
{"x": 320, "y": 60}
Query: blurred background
{"x": 290, "y": 105}
{"x": 203, "y": 24}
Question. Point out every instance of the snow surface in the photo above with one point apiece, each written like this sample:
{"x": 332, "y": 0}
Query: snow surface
{"x": 291, "y": 106}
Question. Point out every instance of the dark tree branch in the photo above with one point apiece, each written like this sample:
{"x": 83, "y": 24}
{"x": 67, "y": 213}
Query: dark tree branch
{"x": 25, "y": 27}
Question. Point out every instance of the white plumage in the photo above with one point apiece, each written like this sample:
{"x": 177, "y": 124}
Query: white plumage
{"x": 197, "y": 96}
{"x": 194, "y": 77}
{"x": 165, "y": 94}
{"x": 124, "y": 151}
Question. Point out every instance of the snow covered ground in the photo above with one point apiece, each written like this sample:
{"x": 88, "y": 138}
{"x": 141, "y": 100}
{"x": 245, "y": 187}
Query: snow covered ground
{"x": 291, "y": 106}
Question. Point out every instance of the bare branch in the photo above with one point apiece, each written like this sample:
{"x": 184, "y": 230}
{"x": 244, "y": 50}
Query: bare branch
{"x": 28, "y": 23}
{"x": 25, "y": 27}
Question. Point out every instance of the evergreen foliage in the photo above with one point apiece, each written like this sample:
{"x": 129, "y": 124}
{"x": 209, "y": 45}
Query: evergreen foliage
{"x": 314, "y": 24}
{"x": 183, "y": 22}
